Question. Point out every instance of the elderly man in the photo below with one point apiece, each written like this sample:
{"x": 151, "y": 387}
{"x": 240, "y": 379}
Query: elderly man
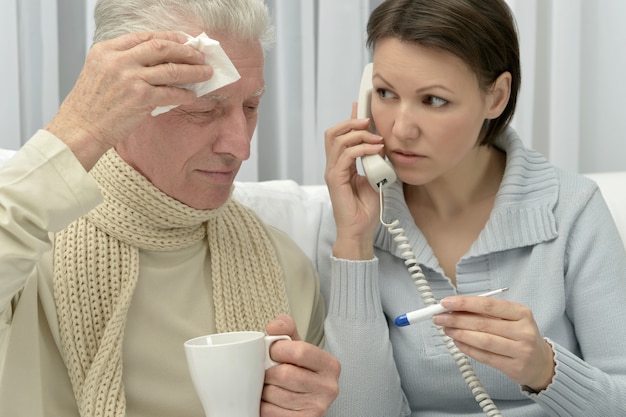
{"x": 119, "y": 239}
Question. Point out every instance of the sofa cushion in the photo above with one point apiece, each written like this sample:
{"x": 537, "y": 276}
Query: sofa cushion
{"x": 613, "y": 188}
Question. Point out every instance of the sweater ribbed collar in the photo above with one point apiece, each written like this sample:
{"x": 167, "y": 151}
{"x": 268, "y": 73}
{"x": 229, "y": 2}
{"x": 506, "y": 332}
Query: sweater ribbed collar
{"x": 523, "y": 212}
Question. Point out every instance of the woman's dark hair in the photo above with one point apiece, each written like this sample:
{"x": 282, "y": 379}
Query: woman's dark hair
{"x": 482, "y": 33}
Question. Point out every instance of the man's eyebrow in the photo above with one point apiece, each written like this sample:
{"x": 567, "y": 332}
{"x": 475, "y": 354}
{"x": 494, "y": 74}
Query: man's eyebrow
{"x": 214, "y": 97}
{"x": 258, "y": 93}
{"x": 221, "y": 97}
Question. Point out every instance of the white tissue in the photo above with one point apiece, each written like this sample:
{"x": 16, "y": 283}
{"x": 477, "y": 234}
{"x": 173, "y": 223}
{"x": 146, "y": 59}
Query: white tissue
{"x": 224, "y": 72}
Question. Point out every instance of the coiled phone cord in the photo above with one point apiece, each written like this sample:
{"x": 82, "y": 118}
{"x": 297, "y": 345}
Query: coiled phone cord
{"x": 419, "y": 279}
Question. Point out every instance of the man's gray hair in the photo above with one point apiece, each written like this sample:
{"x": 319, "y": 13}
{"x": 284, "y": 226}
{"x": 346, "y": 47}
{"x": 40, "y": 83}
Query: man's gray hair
{"x": 247, "y": 20}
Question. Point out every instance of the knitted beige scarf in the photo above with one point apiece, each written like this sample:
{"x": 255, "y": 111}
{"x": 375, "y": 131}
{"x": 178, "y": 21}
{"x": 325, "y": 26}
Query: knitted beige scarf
{"x": 96, "y": 268}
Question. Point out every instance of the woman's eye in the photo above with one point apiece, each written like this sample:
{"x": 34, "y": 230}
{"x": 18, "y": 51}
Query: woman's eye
{"x": 385, "y": 94}
{"x": 435, "y": 101}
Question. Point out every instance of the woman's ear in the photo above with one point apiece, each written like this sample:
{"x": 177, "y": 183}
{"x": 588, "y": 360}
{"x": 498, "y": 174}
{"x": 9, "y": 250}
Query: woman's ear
{"x": 499, "y": 95}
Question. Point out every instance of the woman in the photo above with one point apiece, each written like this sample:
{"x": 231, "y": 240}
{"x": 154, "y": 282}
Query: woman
{"x": 480, "y": 212}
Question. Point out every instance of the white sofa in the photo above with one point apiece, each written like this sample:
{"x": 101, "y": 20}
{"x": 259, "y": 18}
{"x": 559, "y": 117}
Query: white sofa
{"x": 309, "y": 199}
{"x": 5, "y": 155}
{"x": 293, "y": 207}
{"x": 613, "y": 188}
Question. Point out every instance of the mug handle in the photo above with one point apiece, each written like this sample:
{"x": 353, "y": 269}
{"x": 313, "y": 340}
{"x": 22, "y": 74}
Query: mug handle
{"x": 268, "y": 342}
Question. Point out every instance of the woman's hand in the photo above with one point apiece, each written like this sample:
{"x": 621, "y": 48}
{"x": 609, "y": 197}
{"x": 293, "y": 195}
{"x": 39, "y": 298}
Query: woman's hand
{"x": 501, "y": 334}
{"x": 355, "y": 202}
{"x": 121, "y": 82}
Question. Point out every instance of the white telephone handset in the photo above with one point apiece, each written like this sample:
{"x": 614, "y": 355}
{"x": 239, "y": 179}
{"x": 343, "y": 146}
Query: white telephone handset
{"x": 379, "y": 172}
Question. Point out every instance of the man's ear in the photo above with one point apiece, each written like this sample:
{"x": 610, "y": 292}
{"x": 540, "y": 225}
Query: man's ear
{"x": 499, "y": 95}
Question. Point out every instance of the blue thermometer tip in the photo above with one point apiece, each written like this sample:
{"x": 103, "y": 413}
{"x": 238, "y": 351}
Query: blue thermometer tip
{"x": 425, "y": 313}
{"x": 401, "y": 321}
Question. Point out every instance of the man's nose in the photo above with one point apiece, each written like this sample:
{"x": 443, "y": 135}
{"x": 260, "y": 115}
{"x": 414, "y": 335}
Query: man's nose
{"x": 234, "y": 136}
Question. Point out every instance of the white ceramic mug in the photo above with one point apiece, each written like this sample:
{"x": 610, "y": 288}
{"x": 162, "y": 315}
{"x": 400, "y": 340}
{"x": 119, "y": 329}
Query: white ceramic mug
{"x": 228, "y": 370}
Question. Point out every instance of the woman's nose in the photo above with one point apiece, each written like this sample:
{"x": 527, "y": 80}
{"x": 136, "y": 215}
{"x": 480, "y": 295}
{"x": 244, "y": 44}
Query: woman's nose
{"x": 405, "y": 124}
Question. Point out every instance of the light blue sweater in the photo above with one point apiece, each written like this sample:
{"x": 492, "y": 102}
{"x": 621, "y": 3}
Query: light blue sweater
{"x": 550, "y": 239}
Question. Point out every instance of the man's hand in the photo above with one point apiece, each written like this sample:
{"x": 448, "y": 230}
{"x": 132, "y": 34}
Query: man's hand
{"x": 306, "y": 381}
{"x": 122, "y": 81}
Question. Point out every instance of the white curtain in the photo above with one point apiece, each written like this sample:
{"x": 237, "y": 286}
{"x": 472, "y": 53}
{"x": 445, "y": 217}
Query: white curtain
{"x": 10, "y": 101}
{"x": 548, "y": 117}
{"x": 570, "y": 107}
{"x": 312, "y": 74}
{"x": 42, "y": 49}
{"x": 29, "y": 68}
